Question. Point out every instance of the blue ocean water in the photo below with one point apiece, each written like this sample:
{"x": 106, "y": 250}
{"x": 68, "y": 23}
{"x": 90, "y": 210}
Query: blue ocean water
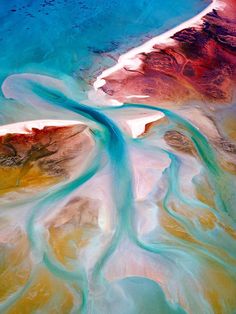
{"x": 72, "y": 36}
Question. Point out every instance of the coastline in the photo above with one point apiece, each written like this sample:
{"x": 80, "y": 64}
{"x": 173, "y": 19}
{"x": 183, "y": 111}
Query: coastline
{"x": 128, "y": 58}
{"x": 27, "y": 126}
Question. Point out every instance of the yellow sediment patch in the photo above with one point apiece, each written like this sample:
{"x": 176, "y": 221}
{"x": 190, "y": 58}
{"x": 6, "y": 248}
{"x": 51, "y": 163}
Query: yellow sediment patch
{"x": 47, "y": 294}
{"x": 12, "y": 179}
{"x": 174, "y": 227}
{"x": 229, "y": 126}
{"x": 219, "y": 286}
{"x": 15, "y": 265}
{"x": 65, "y": 243}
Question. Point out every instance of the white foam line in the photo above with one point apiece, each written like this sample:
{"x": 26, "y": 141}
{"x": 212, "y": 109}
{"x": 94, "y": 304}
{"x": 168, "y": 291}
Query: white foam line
{"x": 137, "y": 96}
{"x": 127, "y": 59}
{"x": 27, "y": 126}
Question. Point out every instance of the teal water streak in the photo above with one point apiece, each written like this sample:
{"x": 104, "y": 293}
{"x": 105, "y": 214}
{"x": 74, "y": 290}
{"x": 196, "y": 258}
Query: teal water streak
{"x": 122, "y": 191}
{"x": 217, "y": 176}
{"x": 34, "y": 237}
